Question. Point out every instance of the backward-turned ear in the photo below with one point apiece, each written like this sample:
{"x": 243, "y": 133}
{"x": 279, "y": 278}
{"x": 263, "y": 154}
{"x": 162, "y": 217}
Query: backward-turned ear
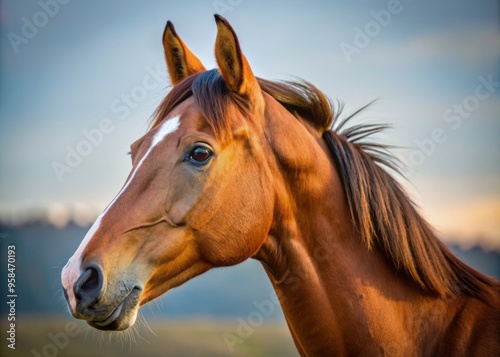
{"x": 180, "y": 60}
{"x": 233, "y": 65}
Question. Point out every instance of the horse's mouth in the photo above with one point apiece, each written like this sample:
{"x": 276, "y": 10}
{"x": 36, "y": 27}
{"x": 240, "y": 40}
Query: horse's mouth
{"x": 123, "y": 316}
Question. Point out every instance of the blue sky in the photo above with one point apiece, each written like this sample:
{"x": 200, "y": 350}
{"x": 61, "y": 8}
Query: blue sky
{"x": 86, "y": 61}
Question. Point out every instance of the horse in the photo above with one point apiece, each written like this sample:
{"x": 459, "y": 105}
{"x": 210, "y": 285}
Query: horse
{"x": 236, "y": 167}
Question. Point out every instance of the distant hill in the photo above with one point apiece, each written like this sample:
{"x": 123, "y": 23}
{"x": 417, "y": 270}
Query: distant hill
{"x": 43, "y": 250}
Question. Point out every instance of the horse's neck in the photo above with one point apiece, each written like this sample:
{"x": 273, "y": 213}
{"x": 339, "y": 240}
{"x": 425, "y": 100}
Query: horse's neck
{"x": 333, "y": 291}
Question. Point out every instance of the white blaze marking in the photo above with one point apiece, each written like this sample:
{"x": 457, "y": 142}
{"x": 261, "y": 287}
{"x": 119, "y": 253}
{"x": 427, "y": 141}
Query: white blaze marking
{"x": 71, "y": 271}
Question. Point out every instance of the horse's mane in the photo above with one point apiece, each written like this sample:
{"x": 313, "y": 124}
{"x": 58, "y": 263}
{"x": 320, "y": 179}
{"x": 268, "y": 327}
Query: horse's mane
{"x": 385, "y": 216}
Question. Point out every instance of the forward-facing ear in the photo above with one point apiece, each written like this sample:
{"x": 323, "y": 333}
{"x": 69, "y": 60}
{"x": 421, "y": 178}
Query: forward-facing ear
{"x": 180, "y": 60}
{"x": 233, "y": 66}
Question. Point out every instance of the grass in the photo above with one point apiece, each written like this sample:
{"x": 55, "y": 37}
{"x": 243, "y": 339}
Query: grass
{"x": 65, "y": 337}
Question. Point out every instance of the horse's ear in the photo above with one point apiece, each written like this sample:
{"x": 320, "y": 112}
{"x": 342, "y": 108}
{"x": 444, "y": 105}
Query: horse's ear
{"x": 233, "y": 65}
{"x": 180, "y": 60}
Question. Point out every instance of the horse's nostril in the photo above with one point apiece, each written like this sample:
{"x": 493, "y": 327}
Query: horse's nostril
{"x": 89, "y": 286}
{"x": 93, "y": 280}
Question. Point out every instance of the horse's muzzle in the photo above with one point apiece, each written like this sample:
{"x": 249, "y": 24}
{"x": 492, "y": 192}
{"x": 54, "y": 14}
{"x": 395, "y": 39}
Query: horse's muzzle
{"x": 104, "y": 306}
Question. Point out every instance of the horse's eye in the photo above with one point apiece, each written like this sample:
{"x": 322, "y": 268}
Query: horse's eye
{"x": 200, "y": 155}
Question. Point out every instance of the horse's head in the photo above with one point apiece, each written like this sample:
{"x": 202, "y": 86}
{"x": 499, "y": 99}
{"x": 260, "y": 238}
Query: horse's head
{"x": 200, "y": 193}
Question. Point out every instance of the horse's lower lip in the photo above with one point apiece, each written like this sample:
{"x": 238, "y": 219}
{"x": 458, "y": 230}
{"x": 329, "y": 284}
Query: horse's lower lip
{"x": 114, "y": 315}
{"x": 112, "y": 322}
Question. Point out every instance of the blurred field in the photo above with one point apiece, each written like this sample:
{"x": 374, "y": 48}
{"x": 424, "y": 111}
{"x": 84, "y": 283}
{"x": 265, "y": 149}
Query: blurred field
{"x": 167, "y": 338}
